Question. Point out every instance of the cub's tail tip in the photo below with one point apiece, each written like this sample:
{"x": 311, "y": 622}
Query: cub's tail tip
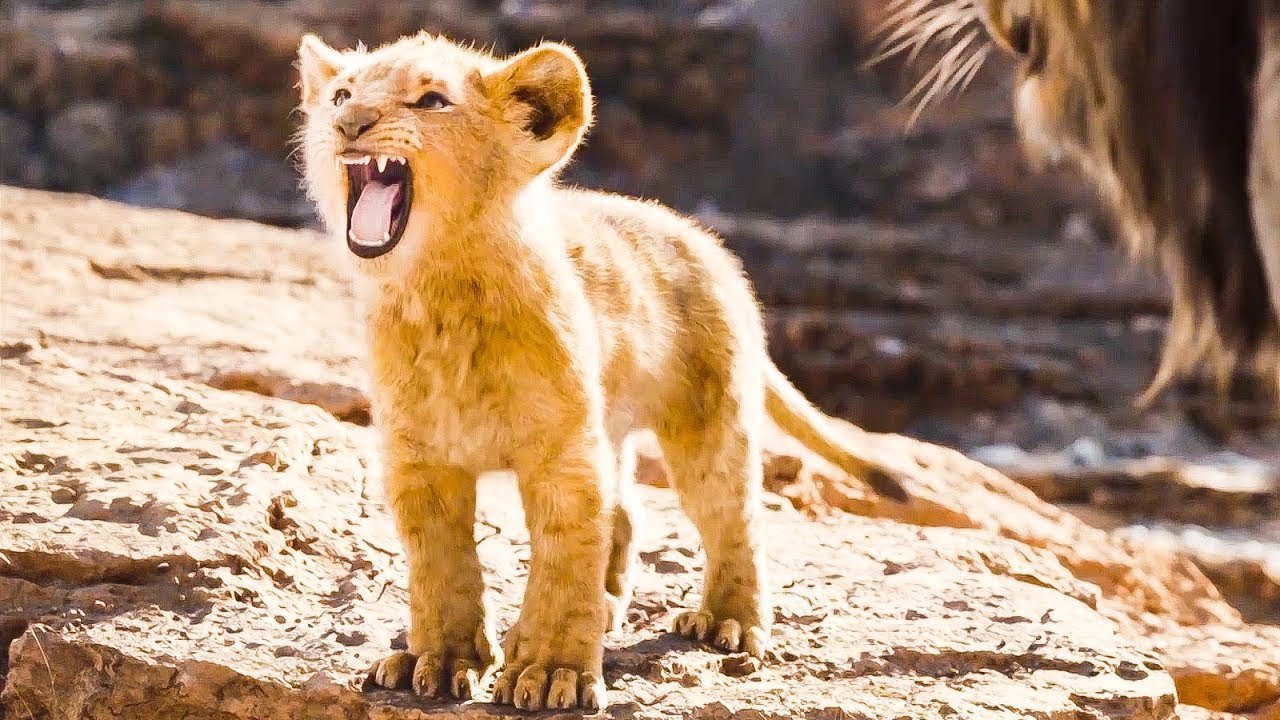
{"x": 885, "y": 484}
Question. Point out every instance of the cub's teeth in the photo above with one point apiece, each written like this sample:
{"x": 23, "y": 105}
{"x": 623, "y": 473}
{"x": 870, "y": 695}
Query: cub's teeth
{"x": 382, "y": 163}
{"x": 397, "y": 160}
{"x": 351, "y": 235}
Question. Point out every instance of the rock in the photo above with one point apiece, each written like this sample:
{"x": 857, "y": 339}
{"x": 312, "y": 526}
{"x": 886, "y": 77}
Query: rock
{"x": 343, "y": 402}
{"x": 1226, "y": 494}
{"x": 161, "y": 135}
{"x": 1226, "y": 669}
{"x": 63, "y": 496}
{"x": 28, "y": 72}
{"x": 1222, "y": 514}
{"x": 217, "y": 588}
{"x": 197, "y": 591}
{"x": 1251, "y": 583}
{"x": 223, "y": 180}
{"x": 89, "y": 145}
{"x": 227, "y": 69}
{"x": 1191, "y": 712}
{"x": 1244, "y": 563}
{"x": 20, "y": 160}
{"x": 111, "y": 69}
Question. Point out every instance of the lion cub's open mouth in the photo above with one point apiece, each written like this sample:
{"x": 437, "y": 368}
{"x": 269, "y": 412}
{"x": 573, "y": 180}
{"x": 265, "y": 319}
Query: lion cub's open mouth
{"x": 379, "y": 191}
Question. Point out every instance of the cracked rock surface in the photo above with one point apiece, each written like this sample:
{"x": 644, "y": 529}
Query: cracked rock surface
{"x": 191, "y": 526}
{"x": 216, "y": 553}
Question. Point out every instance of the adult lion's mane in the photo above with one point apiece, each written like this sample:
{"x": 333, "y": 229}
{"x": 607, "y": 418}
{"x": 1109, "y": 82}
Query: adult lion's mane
{"x": 1172, "y": 110}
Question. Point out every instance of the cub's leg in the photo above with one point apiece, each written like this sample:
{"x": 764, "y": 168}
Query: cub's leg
{"x": 450, "y": 642}
{"x": 627, "y": 516}
{"x": 715, "y": 464}
{"x": 555, "y": 650}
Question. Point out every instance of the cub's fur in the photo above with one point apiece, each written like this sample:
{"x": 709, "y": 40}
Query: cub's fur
{"x": 515, "y": 324}
{"x": 1172, "y": 109}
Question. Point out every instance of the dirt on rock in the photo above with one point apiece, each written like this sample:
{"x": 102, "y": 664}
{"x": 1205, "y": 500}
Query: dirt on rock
{"x": 192, "y": 527}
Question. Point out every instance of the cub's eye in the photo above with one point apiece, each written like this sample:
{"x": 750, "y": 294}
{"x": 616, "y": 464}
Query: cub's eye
{"x": 432, "y": 100}
{"x": 341, "y": 96}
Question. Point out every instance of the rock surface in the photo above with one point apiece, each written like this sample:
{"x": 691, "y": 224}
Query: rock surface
{"x": 1226, "y": 515}
{"x": 190, "y": 531}
{"x": 211, "y": 552}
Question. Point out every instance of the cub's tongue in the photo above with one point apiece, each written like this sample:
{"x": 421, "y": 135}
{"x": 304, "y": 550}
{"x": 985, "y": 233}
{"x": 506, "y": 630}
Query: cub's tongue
{"x": 371, "y": 218}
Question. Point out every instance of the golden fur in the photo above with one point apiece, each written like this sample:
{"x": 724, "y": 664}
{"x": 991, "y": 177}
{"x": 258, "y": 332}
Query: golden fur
{"x": 521, "y": 325}
{"x": 1170, "y": 109}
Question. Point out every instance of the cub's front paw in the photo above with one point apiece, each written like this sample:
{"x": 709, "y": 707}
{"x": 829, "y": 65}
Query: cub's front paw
{"x": 546, "y": 672}
{"x": 536, "y": 686}
{"x": 727, "y": 634}
{"x": 431, "y": 675}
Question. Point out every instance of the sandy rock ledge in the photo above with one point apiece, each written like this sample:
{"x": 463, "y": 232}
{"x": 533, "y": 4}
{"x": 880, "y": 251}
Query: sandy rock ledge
{"x": 225, "y": 563}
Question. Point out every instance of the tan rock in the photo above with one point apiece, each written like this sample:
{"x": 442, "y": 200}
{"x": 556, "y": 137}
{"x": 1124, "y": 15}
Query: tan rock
{"x": 1230, "y": 669}
{"x": 1211, "y": 512}
{"x": 1192, "y": 712}
{"x": 1165, "y": 488}
{"x": 955, "y": 491}
{"x": 231, "y": 561}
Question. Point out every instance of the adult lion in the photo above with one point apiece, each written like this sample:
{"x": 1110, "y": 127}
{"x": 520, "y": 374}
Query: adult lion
{"x": 1172, "y": 110}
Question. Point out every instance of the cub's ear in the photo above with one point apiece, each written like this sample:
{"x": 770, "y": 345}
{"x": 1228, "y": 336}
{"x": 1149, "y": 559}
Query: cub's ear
{"x": 317, "y": 64}
{"x": 545, "y": 92}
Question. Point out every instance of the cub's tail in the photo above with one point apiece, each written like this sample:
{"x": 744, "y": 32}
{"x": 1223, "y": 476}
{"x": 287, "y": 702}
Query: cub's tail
{"x": 799, "y": 418}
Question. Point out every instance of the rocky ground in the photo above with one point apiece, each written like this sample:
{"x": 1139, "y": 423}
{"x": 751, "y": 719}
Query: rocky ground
{"x": 192, "y": 527}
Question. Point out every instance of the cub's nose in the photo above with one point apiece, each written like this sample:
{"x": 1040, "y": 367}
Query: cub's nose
{"x": 356, "y": 121}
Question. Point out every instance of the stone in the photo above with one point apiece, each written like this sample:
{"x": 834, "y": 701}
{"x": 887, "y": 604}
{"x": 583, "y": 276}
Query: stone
{"x": 161, "y": 135}
{"x": 192, "y": 620}
{"x": 20, "y": 160}
{"x": 1221, "y": 513}
{"x": 221, "y": 180}
{"x": 89, "y": 145}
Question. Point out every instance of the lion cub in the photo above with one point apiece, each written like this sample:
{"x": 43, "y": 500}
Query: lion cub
{"x": 515, "y": 324}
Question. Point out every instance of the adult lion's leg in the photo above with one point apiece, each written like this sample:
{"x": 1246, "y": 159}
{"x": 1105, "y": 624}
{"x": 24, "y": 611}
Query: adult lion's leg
{"x": 1264, "y": 164}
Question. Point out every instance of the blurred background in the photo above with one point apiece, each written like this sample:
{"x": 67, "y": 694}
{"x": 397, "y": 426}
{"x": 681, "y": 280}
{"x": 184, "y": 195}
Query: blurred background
{"x": 919, "y": 278}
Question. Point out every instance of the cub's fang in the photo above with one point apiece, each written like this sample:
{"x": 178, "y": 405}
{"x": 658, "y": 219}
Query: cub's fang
{"x": 382, "y": 163}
